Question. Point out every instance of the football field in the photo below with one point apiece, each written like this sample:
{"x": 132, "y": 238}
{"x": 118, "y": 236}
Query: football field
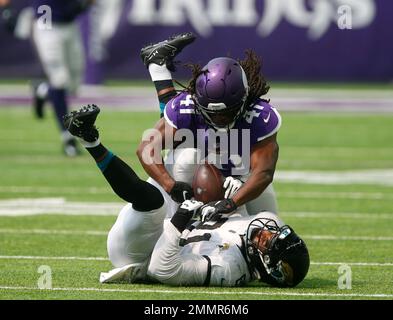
{"x": 334, "y": 183}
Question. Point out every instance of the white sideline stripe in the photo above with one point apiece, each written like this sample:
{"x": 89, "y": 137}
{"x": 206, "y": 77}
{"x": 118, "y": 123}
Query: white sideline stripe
{"x": 359, "y": 264}
{"x": 54, "y": 258}
{"x": 55, "y": 232}
{"x": 335, "y": 215}
{"x": 288, "y": 194}
{"x": 59, "y": 206}
{"x": 335, "y": 195}
{"x": 346, "y": 238}
{"x": 23, "y": 206}
{"x": 57, "y": 190}
{"x": 374, "y": 177}
{"x": 188, "y": 292}
{"x": 105, "y": 233}
{"x": 365, "y": 264}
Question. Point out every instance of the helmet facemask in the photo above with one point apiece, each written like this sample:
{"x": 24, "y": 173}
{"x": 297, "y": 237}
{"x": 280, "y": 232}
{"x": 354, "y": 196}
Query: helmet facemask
{"x": 275, "y": 251}
{"x": 214, "y": 112}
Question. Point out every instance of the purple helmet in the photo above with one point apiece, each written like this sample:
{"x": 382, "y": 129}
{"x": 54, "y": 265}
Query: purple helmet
{"x": 221, "y": 92}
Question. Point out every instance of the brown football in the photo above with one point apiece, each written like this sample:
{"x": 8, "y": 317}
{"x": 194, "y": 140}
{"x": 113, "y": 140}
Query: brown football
{"x": 207, "y": 183}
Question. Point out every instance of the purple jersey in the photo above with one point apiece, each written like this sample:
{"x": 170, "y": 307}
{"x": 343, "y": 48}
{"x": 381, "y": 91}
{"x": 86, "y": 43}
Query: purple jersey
{"x": 63, "y": 11}
{"x": 229, "y": 151}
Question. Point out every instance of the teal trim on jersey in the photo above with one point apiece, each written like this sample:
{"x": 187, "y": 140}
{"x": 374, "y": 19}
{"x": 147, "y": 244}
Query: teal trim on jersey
{"x": 105, "y": 162}
{"x": 162, "y": 107}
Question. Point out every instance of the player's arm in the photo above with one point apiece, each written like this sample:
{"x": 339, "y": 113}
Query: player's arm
{"x": 167, "y": 265}
{"x": 149, "y": 154}
{"x": 263, "y": 161}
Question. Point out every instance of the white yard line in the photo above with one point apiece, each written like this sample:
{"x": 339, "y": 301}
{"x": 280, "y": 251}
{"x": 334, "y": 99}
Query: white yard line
{"x": 55, "y": 232}
{"x": 60, "y": 206}
{"x": 23, "y": 206}
{"x": 316, "y": 263}
{"x": 335, "y": 195}
{"x": 383, "y": 177}
{"x": 338, "y": 215}
{"x": 219, "y": 292}
{"x": 53, "y": 258}
{"x": 105, "y": 233}
{"x": 285, "y": 194}
{"x": 51, "y": 190}
{"x": 358, "y": 264}
{"x": 346, "y": 238}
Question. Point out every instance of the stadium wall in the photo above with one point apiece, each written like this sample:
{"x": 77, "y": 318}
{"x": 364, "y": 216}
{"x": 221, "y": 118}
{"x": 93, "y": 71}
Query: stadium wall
{"x": 299, "y": 40}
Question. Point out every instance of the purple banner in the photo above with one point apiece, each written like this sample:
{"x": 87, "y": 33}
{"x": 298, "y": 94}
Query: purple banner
{"x": 299, "y": 40}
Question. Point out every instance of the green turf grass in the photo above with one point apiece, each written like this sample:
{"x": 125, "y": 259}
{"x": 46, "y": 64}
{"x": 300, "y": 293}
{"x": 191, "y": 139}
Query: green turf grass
{"x": 33, "y": 167}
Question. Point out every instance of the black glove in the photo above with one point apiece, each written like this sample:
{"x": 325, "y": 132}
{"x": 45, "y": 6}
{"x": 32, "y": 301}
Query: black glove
{"x": 184, "y": 213}
{"x": 181, "y": 191}
{"x": 213, "y": 209}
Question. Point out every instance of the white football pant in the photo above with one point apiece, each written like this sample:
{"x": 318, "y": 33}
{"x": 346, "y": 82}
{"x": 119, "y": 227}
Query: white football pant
{"x": 61, "y": 53}
{"x": 134, "y": 235}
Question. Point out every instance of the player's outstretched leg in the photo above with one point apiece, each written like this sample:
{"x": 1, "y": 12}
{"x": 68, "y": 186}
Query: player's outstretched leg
{"x": 40, "y": 90}
{"x": 58, "y": 97}
{"x": 158, "y": 58}
{"x": 123, "y": 180}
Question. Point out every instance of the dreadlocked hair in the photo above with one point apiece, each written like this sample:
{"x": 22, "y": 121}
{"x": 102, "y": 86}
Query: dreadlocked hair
{"x": 251, "y": 65}
{"x": 196, "y": 70}
{"x": 257, "y": 83}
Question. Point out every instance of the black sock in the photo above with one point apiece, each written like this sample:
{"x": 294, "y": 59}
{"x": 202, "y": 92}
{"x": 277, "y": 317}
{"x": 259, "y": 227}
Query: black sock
{"x": 124, "y": 181}
{"x": 98, "y": 153}
{"x": 128, "y": 186}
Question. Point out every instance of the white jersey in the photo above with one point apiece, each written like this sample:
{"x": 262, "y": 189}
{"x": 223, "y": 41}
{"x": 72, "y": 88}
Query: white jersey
{"x": 212, "y": 253}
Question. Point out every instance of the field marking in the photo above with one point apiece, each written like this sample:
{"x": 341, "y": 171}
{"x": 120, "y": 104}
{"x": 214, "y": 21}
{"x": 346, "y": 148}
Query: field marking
{"x": 26, "y": 206}
{"x": 335, "y": 195}
{"x": 60, "y": 206}
{"x": 188, "y": 292}
{"x": 336, "y": 215}
{"x": 105, "y": 233}
{"x": 382, "y": 177}
{"x": 55, "y": 232}
{"x": 360, "y": 264}
{"x": 143, "y": 98}
{"x": 287, "y": 194}
{"x": 54, "y": 258}
{"x": 50, "y": 190}
{"x": 346, "y": 238}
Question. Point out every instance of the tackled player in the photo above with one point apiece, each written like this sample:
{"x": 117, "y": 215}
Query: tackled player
{"x": 149, "y": 242}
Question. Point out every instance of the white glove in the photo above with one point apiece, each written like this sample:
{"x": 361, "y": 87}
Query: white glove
{"x": 191, "y": 206}
{"x": 231, "y": 186}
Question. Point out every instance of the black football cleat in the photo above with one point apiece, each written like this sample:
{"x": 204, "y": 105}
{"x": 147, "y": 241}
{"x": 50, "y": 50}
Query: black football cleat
{"x": 80, "y": 123}
{"x": 164, "y": 51}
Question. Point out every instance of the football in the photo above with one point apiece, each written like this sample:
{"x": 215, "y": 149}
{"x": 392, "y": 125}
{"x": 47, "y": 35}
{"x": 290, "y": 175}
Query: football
{"x": 208, "y": 183}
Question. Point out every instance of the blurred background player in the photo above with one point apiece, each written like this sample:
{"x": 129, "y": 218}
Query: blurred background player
{"x": 223, "y": 95}
{"x": 57, "y": 40}
{"x": 59, "y": 46}
{"x": 19, "y": 22}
